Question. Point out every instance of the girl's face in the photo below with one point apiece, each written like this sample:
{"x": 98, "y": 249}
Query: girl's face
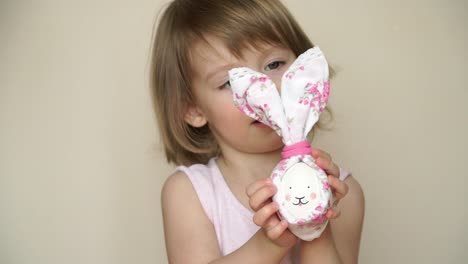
{"x": 231, "y": 127}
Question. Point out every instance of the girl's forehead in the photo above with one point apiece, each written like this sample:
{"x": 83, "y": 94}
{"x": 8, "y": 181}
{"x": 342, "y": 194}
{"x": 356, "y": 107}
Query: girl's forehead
{"x": 210, "y": 53}
{"x": 210, "y": 49}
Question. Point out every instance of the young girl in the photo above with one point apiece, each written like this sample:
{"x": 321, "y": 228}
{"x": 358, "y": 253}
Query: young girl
{"x": 217, "y": 205}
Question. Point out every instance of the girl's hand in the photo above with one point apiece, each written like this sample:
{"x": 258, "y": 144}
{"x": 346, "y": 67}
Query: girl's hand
{"x": 339, "y": 188}
{"x": 260, "y": 193}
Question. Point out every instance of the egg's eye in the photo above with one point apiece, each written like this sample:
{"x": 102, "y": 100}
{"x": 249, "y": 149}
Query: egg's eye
{"x": 308, "y": 187}
{"x": 290, "y": 187}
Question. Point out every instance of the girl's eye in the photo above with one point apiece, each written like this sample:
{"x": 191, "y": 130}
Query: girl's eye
{"x": 225, "y": 85}
{"x": 274, "y": 65}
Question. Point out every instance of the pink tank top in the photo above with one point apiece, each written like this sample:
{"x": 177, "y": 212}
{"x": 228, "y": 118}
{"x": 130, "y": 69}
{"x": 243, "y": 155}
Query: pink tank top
{"x": 232, "y": 221}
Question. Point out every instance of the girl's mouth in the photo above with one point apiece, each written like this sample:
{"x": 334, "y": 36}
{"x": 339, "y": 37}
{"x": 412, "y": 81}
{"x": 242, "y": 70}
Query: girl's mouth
{"x": 259, "y": 124}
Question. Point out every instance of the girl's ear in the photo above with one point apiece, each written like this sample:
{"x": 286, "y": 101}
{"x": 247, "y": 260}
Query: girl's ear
{"x": 195, "y": 117}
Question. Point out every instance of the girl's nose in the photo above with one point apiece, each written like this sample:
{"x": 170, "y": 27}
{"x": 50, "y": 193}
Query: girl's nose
{"x": 278, "y": 87}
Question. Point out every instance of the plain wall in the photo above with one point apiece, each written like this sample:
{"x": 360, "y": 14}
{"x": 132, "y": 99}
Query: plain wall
{"x": 81, "y": 167}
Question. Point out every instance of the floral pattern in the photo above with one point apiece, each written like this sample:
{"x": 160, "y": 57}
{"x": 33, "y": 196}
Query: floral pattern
{"x": 305, "y": 92}
{"x": 310, "y": 224}
{"x": 312, "y": 97}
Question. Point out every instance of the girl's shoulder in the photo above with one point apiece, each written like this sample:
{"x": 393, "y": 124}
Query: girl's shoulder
{"x": 205, "y": 172}
{"x": 198, "y": 179}
{"x": 187, "y": 222}
{"x": 203, "y": 177}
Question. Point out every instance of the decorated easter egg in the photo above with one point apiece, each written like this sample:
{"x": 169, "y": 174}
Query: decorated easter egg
{"x": 301, "y": 188}
{"x": 304, "y": 196}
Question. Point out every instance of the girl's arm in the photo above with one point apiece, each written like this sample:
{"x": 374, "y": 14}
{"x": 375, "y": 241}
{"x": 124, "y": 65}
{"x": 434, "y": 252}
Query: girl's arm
{"x": 339, "y": 243}
{"x": 190, "y": 235}
{"x": 347, "y": 228}
{"x": 320, "y": 250}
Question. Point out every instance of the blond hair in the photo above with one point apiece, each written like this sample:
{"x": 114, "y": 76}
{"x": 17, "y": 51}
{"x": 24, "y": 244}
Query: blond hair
{"x": 238, "y": 23}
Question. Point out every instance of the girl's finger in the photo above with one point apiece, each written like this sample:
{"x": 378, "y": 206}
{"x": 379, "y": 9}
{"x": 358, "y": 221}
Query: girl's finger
{"x": 271, "y": 222}
{"x": 256, "y": 185}
{"x": 328, "y": 166}
{"x": 340, "y": 189}
{"x": 333, "y": 213}
{"x": 266, "y": 216}
{"x": 276, "y": 231}
{"x": 258, "y": 199}
{"x": 318, "y": 153}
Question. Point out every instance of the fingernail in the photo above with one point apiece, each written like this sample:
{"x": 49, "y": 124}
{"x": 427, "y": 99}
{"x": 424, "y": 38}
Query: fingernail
{"x": 284, "y": 223}
{"x": 273, "y": 188}
{"x": 275, "y": 205}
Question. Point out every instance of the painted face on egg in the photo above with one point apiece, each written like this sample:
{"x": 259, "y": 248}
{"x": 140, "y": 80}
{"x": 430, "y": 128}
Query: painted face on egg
{"x": 301, "y": 190}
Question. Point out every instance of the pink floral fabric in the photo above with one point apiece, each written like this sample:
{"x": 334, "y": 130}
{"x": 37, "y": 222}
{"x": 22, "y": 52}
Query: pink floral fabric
{"x": 303, "y": 193}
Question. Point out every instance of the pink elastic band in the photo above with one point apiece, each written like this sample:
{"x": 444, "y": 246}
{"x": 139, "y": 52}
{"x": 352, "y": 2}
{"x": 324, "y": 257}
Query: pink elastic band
{"x": 300, "y": 148}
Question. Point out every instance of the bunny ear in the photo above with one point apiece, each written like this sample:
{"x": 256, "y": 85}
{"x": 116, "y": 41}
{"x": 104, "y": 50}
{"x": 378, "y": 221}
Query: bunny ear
{"x": 304, "y": 92}
{"x": 256, "y": 95}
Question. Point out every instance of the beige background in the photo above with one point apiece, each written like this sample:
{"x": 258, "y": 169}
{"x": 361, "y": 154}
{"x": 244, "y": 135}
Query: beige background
{"x": 81, "y": 168}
